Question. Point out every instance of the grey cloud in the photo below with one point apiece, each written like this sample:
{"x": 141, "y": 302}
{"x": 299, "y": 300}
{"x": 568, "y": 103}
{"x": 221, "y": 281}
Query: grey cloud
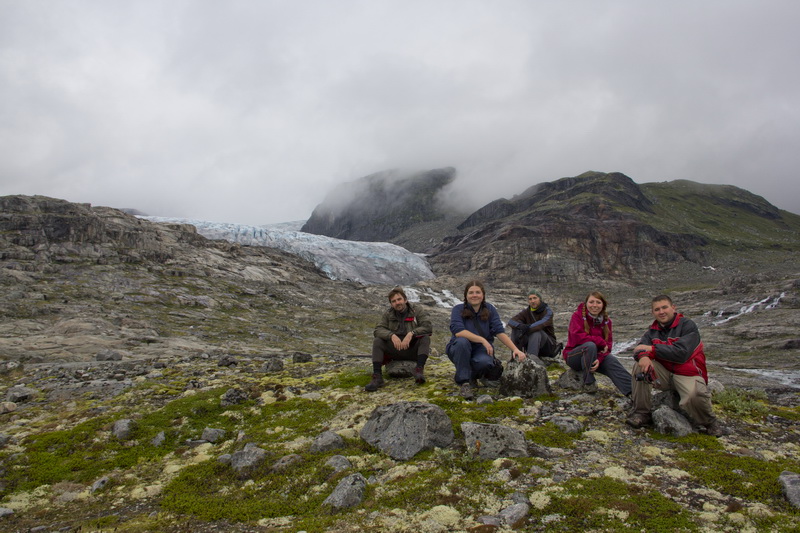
{"x": 253, "y": 111}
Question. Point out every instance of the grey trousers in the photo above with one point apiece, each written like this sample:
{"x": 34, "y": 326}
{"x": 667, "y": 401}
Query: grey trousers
{"x": 384, "y": 351}
{"x": 537, "y": 343}
{"x": 583, "y": 356}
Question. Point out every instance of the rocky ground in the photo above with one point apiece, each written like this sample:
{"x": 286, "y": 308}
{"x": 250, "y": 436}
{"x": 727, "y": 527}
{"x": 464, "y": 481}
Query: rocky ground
{"x": 263, "y": 347}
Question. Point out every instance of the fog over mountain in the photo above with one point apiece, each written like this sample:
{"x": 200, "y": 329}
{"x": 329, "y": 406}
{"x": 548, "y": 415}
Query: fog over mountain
{"x": 253, "y": 112}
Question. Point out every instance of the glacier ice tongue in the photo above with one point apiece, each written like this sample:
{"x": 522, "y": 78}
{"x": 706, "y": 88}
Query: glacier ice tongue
{"x": 379, "y": 263}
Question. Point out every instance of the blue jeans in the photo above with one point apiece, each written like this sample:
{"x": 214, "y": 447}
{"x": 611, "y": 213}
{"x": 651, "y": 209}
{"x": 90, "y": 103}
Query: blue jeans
{"x": 470, "y": 359}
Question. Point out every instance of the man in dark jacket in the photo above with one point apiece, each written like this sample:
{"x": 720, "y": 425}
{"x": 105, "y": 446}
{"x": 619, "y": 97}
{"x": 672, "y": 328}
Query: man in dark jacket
{"x": 532, "y": 328}
{"x": 404, "y": 333}
{"x": 670, "y": 357}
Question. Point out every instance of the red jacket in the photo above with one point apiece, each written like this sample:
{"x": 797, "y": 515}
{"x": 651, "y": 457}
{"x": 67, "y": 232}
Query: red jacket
{"x": 677, "y": 347}
{"x": 577, "y": 333}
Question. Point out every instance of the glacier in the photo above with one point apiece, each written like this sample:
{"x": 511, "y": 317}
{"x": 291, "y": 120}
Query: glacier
{"x": 375, "y": 263}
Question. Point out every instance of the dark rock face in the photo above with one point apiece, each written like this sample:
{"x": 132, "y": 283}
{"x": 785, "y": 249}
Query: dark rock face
{"x": 573, "y": 228}
{"x": 59, "y": 230}
{"x": 381, "y": 206}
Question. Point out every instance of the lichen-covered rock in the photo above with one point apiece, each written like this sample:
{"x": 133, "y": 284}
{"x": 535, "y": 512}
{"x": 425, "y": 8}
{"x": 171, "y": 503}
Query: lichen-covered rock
{"x": 326, "y": 441}
{"x": 406, "y": 428}
{"x": 348, "y": 493}
{"x": 491, "y": 441}
{"x": 123, "y": 429}
{"x": 671, "y": 422}
{"x": 246, "y": 460}
{"x": 525, "y": 379}
{"x": 790, "y": 483}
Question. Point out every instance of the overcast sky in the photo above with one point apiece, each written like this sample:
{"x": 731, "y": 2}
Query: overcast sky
{"x": 252, "y": 111}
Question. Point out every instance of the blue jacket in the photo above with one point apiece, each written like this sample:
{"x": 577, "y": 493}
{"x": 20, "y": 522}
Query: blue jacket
{"x": 487, "y": 329}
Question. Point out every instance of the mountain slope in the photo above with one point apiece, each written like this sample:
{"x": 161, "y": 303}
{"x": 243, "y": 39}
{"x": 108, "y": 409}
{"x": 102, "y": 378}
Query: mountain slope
{"x": 604, "y": 225}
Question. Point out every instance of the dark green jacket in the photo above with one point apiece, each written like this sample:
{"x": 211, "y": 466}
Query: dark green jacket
{"x": 393, "y": 323}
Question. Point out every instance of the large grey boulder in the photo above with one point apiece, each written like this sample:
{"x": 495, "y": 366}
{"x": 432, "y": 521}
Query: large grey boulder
{"x": 671, "y": 422}
{"x": 404, "y": 429}
{"x": 492, "y": 441}
{"x": 348, "y": 493}
{"x": 525, "y": 379}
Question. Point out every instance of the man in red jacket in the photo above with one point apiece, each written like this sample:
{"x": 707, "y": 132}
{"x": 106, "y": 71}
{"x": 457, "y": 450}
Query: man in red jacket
{"x": 670, "y": 357}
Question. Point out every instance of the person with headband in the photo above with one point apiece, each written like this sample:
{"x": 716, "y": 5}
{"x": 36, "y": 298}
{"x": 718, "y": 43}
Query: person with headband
{"x": 532, "y": 328}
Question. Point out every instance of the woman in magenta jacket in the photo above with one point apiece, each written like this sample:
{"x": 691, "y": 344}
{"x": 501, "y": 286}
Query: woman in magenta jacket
{"x": 589, "y": 344}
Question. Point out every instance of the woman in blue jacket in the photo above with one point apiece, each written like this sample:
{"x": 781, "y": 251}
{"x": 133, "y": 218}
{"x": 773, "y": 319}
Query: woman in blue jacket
{"x": 474, "y": 325}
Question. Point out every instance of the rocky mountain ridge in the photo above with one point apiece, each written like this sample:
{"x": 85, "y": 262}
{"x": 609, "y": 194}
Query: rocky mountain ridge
{"x": 593, "y": 226}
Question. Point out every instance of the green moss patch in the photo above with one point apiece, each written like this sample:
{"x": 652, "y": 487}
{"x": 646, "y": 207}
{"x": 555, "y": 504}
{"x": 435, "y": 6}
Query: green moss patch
{"x": 741, "y": 476}
{"x": 606, "y": 504}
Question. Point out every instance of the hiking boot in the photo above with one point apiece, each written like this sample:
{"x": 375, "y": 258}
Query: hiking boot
{"x": 466, "y": 391}
{"x": 590, "y": 388}
{"x": 716, "y": 429}
{"x": 375, "y": 384}
{"x": 637, "y": 420}
{"x": 419, "y": 375}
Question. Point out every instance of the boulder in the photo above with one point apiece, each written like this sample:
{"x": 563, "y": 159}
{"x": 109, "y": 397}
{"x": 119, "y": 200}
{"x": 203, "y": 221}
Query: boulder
{"x": 20, "y": 394}
{"x": 492, "y": 441}
{"x": 348, "y": 493}
{"x": 526, "y": 379}
{"x": 326, "y": 442}
{"x": 245, "y": 461}
{"x": 400, "y": 369}
{"x": 790, "y": 482}
{"x": 567, "y": 424}
{"x": 339, "y": 463}
{"x": 233, "y": 397}
{"x": 285, "y": 462}
{"x": 300, "y": 357}
{"x": 212, "y": 434}
{"x": 272, "y": 365}
{"x": 123, "y": 429}
{"x": 404, "y": 429}
{"x": 668, "y": 421}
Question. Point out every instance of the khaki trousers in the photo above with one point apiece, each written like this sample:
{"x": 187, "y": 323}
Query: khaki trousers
{"x": 695, "y": 398}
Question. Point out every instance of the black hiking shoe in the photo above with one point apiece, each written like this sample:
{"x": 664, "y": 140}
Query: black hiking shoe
{"x": 419, "y": 375}
{"x": 375, "y": 384}
{"x": 638, "y": 420}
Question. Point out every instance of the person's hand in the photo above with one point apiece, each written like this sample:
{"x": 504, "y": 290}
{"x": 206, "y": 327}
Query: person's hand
{"x": 643, "y": 348}
{"x": 594, "y": 366}
{"x": 488, "y": 346}
{"x": 518, "y": 355}
{"x": 406, "y": 342}
{"x": 396, "y": 342}
{"x": 645, "y": 363}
